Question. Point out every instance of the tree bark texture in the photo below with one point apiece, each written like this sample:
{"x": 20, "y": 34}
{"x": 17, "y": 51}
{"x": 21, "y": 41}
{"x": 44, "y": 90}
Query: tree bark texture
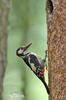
{"x": 56, "y": 25}
{"x": 4, "y": 8}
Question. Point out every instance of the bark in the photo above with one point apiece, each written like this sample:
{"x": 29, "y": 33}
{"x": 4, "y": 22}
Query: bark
{"x": 4, "y": 7}
{"x": 56, "y": 22}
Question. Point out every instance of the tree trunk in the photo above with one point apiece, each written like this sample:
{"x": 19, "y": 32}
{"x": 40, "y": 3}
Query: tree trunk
{"x": 4, "y": 6}
{"x": 56, "y": 16}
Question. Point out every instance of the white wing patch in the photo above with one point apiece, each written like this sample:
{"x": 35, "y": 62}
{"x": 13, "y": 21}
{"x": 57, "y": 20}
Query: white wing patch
{"x": 39, "y": 58}
{"x": 32, "y": 66}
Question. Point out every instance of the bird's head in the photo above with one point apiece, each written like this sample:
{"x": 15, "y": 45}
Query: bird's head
{"x": 21, "y": 51}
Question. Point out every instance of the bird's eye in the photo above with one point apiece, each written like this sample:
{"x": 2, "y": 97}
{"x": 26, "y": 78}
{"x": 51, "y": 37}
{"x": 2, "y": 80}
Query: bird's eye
{"x": 20, "y": 51}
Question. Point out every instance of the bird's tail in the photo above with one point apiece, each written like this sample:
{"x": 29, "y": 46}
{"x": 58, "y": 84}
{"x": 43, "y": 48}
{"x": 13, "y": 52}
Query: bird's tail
{"x": 48, "y": 91}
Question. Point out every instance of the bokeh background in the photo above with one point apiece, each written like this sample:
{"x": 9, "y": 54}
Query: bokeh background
{"x": 27, "y": 23}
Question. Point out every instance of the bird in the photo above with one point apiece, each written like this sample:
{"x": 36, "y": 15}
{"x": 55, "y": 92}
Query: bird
{"x": 34, "y": 62}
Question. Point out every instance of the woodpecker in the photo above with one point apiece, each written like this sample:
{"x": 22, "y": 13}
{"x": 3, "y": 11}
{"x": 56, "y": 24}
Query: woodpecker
{"x": 35, "y": 63}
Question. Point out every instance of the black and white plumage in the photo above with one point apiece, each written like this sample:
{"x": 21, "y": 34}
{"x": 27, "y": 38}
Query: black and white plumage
{"x": 35, "y": 63}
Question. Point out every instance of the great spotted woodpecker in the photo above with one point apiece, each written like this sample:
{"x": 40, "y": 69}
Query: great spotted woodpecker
{"x": 35, "y": 63}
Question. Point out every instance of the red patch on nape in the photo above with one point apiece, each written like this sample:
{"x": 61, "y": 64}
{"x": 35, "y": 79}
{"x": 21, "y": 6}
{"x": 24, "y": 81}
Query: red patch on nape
{"x": 43, "y": 72}
{"x": 16, "y": 53}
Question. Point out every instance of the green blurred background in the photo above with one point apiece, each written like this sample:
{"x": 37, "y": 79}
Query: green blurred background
{"x": 27, "y": 23}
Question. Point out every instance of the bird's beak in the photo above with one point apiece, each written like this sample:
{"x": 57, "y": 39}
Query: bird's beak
{"x": 26, "y": 47}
